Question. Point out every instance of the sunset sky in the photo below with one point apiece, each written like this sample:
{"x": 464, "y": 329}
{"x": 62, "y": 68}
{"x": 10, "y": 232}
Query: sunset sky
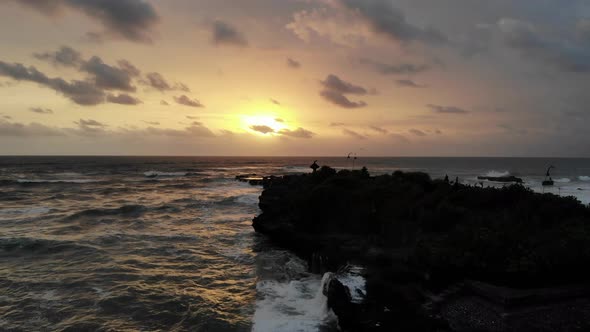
{"x": 295, "y": 77}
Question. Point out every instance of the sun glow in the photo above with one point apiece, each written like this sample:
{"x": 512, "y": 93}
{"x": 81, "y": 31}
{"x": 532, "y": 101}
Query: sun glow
{"x": 264, "y": 124}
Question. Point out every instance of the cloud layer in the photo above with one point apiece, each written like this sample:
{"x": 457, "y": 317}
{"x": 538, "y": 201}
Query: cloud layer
{"x": 133, "y": 20}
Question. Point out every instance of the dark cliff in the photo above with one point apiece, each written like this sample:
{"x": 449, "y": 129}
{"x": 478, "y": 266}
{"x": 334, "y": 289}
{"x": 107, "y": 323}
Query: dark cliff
{"x": 419, "y": 236}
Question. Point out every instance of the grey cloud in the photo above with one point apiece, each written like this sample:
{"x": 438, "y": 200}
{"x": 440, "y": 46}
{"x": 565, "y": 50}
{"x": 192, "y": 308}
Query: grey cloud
{"x": 199, "y": 132}
{"x": 279, "y": 120}
{"x": 190, "y": 117}
{"x": 576, "y": 114}
{"x": 262, "y": 129}
{"x": 123, "y": 99}
{"x": 90, "y": 123}
{"x": 293, "y": 63}
{"x": 562, "y": 55}
{"x": 158, "y": 82}
{"x": 80, "y": 92}
{"x": 186, "y": 101}
{"x": 48, "y": 6}
{"x": 105, "y": 76}
{"x": 298, "y": 133}
{"x": 353, "y": 134}
{"x": 417, "y": 132}
{"x": 108, "y": 77}
{"x": 509, "y": 129}
{"x": 391, "y": 22}
{"x": 193, "y": 130}
{"x": 40, "y": 110}
{"x": 225, "y": 34}
{"x": 337, "y": 124}
{"x": 379, "y": 129}
{"x": 101, "y": 75}
{"x": 335, "y": 89}
{"x": 447, "y": 109}
{"x": 65, "y": 56}
{"x": 334, "y": 83}
{"x": 129, "y": 68}
{"x": 133, "y": 20}
{"x": 274, "y": 101}
{"x": 164, "y": 103}
{"x": 339, "y": 99}
{"x": 34, "y": 129}
{"x": 226, "y": 132}
{"x": 153, "y": 123}
{"x": 399, "y": 137}
{"x": 93, "y": 128}
{"x": 409, "y": 84}
{"x": 89, "y": 128}
{"x": 583, "y": 29}
{"x": 395, "y": 69}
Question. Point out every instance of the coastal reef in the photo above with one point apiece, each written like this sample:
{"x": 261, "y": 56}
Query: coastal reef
{"x": 439, "y": 256}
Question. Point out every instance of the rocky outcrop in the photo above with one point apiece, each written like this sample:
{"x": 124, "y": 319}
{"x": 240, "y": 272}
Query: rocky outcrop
{"x": 419, "y": 238}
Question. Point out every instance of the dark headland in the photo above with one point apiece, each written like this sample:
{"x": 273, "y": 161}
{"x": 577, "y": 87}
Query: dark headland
{"x": 438, "y": 256}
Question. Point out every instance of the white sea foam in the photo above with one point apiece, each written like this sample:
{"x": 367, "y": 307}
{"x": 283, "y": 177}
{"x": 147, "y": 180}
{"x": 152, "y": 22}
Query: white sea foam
{"x": 584, "y": 178}
{"x": 56, "y": 181}
{"x": 12, "y": 213}
{"x": 297, "y": 305}
{"x": 497, "y": 174}
{"x": 296, "y": 169}
{"x": 562, "y": 180}
{"x": 153, "y": 174}
{"x": 249, "y": 199}
{"x": 355, "y": 282}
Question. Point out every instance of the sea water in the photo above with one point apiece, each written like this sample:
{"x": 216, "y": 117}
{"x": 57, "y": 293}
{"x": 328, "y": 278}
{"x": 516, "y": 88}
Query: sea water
{"x": 166, "y": 243}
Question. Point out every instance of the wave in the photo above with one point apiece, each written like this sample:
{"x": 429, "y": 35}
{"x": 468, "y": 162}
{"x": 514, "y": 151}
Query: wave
{"x": 156, "y": 174}
{"x": 562, "y": 180}
{"x": 497, "y": 174}
{"x": 43, "y": 246}
{"x": 248, "y": 199}
{"x": 296, "y": 169}
{"x": 46, "y": 181}
{"x": 584, "y": 178}
{"x": 23, "y": 212}
{"x": 351, "y": 277}
{"x": 126, "y": 210}
{"x": 298, "y": 305}
{"x": 57, "y": 181}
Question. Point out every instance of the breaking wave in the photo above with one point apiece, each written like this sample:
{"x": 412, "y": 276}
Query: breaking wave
{"x": 497, "y": 174}
{"x": 297, "y": 305}
{"x": 156, "y": 174}
{"x": 23, "y": 212}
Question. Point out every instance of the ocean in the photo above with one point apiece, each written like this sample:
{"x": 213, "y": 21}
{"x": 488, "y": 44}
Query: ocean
{"x": 166, "y": 243}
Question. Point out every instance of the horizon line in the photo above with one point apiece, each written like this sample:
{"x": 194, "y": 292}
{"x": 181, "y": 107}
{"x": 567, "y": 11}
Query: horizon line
{"x": 285, "y": 156}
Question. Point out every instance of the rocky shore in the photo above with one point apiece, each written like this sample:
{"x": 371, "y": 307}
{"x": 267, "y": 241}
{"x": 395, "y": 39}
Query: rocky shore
{"x": 437, "y": 256}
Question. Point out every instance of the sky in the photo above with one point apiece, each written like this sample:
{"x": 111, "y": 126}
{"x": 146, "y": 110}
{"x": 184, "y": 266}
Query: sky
{"x": 295, "y": 77}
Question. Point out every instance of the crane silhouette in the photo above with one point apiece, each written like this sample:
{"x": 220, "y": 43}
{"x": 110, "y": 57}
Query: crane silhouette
{"x": 353, "y": 158}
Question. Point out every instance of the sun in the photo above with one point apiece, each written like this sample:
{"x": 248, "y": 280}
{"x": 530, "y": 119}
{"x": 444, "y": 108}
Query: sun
{"x": 265, "y": 125}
